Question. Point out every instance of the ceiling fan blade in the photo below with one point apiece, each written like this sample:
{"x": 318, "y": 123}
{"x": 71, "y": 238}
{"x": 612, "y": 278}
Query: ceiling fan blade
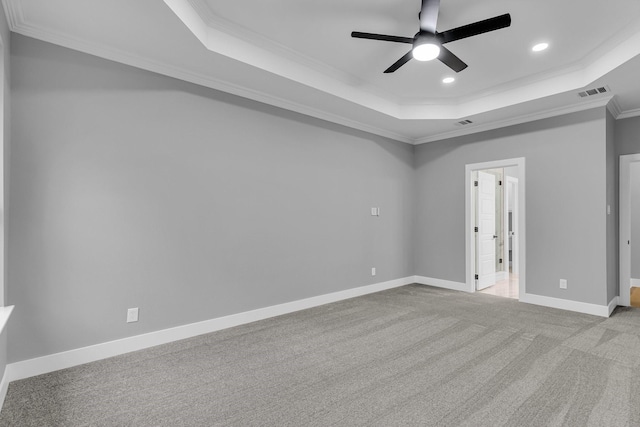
{"x": 400, "y": 62}
{"x": 476, "y": 28}
{"x": 383, "y": 37}
{"x": 429, "y": 15}
{"x": 450, "y": 60}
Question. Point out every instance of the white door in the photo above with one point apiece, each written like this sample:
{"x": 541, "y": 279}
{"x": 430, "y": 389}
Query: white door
{"x": 486, "y": 230}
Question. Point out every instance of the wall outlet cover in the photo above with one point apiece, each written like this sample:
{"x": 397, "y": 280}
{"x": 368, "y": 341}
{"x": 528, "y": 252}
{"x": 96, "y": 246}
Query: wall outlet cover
{"x": 132, "y": 315}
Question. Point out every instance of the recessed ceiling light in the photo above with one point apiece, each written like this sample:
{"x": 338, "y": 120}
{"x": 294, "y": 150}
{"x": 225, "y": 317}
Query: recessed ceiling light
{"x": 540, "y": 47}
{"x": 448, "y": 80}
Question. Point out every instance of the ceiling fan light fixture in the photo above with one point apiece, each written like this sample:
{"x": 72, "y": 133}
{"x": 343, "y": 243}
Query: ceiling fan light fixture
{"x": 426, "y": 51}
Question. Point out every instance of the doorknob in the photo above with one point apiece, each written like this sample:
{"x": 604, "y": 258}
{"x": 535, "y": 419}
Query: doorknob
{"x": 495, "y": 237}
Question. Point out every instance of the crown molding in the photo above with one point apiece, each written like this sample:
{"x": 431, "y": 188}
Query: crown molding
{"x": 618, "y": 113}
{"x": 629, "y": 113}
{"x": 614, "y": 107}
{"x": 13, "y": 12}
{"x": 544, "y": 114}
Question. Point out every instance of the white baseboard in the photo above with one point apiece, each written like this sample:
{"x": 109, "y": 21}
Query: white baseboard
{"x": 635, "y": 283}
{"x": 441, "y": 283}
{"x": 67, "y": 359}
{"x": 5, "y": 312}
{"x": 4, "y": 386}
{"x": 565, "y": 304}
{"x": 613, "y": 304}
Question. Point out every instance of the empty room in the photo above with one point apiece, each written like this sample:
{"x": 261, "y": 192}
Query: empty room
{"x": 329, "y": 213}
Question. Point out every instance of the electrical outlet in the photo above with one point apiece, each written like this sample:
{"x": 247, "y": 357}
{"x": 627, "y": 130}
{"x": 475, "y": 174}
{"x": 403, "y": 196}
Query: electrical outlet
{"x": 563, "y": 283}
{"x": 132, "y": 315}
{"x": 373, "y": 271}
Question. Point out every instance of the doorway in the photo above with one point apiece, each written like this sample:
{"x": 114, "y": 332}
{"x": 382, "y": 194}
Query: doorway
{"x": 630, "y": 230}
{"x": 495, "y": 227}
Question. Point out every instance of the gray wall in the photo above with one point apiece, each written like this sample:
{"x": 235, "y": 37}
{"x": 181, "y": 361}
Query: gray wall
{"x": 635, "y": 220}
{"x": 612, "y": 217}
{"x": 566, "y": 194}
{"x": 627, "y": 136}
{"x": 131, "y": 189}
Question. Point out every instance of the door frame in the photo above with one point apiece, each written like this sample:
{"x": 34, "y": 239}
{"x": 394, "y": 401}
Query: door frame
{"x": 470, "y": 250}
{"x": 514, "y": 223}
{"x": 625, "y": 227}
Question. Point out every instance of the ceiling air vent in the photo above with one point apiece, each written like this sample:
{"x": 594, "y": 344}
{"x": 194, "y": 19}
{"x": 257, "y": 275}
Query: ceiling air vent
{"x": 463, "y": 122}
{"x": 595, "y": 91}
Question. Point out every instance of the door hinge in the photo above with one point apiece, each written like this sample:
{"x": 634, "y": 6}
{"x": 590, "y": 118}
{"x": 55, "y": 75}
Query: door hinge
{"x": 499, "y": 182}
{"x": 475, "y": 183}
{"x": 477, "y": 277}
{"x": 475, "y": 229}
{"x": 500, "y": 261}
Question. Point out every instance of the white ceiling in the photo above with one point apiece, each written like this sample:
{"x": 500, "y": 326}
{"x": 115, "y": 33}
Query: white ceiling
{"x": 298, "y": 55}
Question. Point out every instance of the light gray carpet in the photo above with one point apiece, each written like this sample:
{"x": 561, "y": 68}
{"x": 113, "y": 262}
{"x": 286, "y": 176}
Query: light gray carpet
{"x": 409, "y": 356}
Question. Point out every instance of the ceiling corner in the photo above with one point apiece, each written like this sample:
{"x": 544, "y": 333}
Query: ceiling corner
{"x": 13, "y": 12}
{"x": 614, "y": 107}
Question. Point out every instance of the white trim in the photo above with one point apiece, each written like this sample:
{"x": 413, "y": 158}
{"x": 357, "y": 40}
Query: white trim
{"x": 5, "y": 312}
{"x": 470, "y": 250}
{"x": 565, "y": 304}
{"x": 625, "y": 227}
{"x": 635, "y": 283}
{"x": 79, "y": 356}
{"x": 629, "y": 113}
{"x": 13, "y": 13}
{"x": 515, "y": 259}
{"x": 505, "y": 225}
{"x": 4, "y": 386}
{"x": 441, "y": 283}
{"x": 614, "y": 107}
{"x": 525, "y": 118}
{"x": 613, "y": 304}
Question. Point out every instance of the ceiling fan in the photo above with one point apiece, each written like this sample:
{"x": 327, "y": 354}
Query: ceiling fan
{"x": 428, "y": 43}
